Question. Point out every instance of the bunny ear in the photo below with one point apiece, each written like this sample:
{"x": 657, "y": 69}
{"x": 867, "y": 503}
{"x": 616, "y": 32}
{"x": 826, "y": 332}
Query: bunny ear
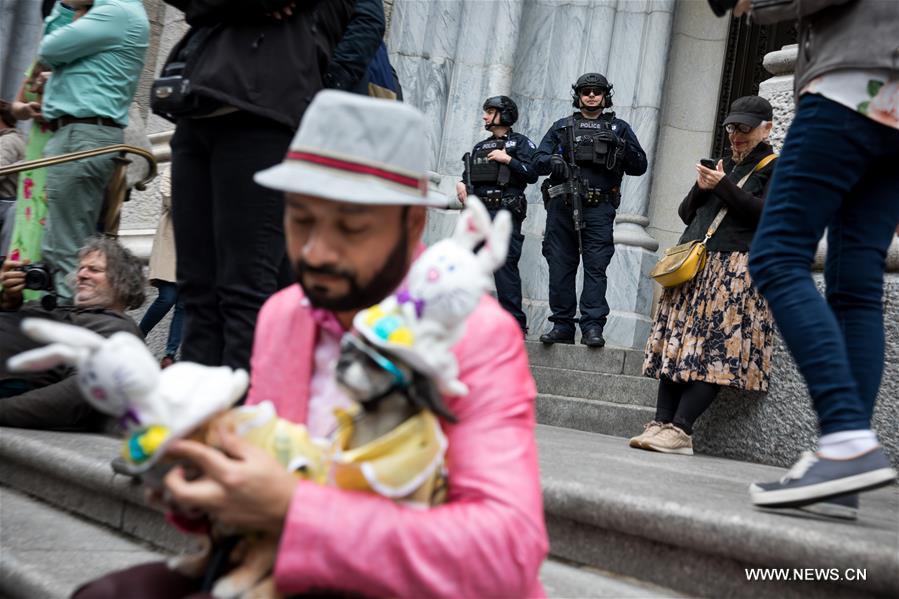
{"x": 473, "y": 224}
{"x": 493, "y": 254}
{"x": 48, "y": 331}
{"x": 43, "y": 358}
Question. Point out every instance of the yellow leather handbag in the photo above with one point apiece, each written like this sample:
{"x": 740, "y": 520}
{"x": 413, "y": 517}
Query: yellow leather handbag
{"x": 681, "y": 263}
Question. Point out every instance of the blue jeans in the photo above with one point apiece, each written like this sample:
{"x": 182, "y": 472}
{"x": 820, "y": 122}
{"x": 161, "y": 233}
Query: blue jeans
{"x": 168, "y": 297}
{"x": 560, "y": 247}
{"x": 837, "y": 172}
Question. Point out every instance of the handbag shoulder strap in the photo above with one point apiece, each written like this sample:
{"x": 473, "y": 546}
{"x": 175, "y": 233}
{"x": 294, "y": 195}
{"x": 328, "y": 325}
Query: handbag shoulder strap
{"x": 761, "y": 164}
{"x": 723, "y": 212}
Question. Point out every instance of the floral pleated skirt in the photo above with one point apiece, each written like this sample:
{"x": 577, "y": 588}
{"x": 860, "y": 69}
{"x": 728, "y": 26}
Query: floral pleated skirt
{"x": 716, "y": 328}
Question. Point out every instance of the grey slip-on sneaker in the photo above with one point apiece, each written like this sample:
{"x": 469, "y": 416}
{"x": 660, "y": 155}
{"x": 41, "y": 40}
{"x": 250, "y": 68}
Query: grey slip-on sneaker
{"x": 814, "y": 478}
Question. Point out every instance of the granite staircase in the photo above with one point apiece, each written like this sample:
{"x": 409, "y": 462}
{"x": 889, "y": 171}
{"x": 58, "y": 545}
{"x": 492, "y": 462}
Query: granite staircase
{"x": 622, "y": 523}
{"x": 593, "y": 390}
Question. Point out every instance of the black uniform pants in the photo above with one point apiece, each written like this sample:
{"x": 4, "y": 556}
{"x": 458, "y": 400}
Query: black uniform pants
{"x": 229, "y": 232}
{"x": 560, "y": 247}
{"x": 508, "y": 279}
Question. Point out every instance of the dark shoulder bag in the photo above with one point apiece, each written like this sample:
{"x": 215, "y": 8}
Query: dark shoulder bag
{"x": 170, "y": 94}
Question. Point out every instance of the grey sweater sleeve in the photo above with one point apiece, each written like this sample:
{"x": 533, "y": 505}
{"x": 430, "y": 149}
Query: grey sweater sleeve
{"x": 765, "y": 12}
{"x": 12, "y": 149}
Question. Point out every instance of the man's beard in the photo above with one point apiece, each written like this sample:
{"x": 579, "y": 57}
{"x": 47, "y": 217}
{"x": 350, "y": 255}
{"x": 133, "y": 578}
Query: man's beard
{"x": 94, "y": 298}
{"x": 385, "y": 281}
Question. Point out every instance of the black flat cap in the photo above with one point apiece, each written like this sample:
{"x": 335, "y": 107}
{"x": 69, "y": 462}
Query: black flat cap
{"x": 749, "y": 110}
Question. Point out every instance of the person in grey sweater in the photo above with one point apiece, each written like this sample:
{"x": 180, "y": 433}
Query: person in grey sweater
{"x": 837, "y": 172}
{"x": 12, "y": 150}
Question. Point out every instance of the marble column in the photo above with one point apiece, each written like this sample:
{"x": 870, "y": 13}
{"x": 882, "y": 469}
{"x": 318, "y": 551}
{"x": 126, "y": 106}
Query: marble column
{"x": 642, "y": 77}
{"x": 452, "y": 55}
{"x": 20, "y": 35}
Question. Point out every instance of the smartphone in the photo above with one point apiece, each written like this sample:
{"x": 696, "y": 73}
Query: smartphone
{"x": 709, "y": 163}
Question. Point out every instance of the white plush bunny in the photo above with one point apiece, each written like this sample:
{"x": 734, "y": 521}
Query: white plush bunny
{"x": 120, "y": 377}
{"x": 422, "y": 323}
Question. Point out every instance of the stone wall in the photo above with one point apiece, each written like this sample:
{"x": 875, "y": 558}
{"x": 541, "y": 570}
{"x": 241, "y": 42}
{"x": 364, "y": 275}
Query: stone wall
{"x": 774, "y": 428}
{"x": 450, "y": 55}
{"x": 20, "y": 33}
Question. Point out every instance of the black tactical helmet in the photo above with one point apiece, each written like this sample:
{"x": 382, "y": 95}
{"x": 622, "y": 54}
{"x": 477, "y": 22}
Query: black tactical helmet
{"x": 591, "y": 80}
{"x": 508, "y": 110}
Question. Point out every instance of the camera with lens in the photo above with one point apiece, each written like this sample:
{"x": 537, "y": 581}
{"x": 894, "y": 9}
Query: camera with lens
{"x": 720, "y": 7}
{"x": 37, "y": 277}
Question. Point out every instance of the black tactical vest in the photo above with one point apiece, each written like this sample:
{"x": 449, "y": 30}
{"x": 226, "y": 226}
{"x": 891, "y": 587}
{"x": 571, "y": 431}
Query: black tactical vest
{"x": 594, "y": 143}
{"x": 489, "y": 172}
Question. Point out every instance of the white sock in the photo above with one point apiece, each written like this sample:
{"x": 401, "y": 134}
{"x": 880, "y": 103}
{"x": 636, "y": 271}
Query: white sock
{"x": 846, "y": 444}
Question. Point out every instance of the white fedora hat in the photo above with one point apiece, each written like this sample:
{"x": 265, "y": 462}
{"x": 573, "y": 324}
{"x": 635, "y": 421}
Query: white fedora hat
{"x": 357, "y": 149}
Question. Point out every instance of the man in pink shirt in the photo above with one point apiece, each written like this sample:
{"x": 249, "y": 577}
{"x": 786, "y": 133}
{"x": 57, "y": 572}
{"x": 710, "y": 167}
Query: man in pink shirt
{"x": 355, "y": 180}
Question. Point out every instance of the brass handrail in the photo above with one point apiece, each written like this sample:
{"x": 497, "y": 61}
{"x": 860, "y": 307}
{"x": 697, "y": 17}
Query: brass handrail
{"x": 63, "y": 158}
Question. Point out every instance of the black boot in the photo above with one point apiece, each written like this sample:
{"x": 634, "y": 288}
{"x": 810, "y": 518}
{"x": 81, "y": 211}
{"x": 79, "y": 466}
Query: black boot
{"x": 593, "y": 338}
{"x": 557, "y": 335}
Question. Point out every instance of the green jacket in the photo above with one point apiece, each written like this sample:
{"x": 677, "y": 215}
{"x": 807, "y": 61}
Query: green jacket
{"x": 96, "y": 60}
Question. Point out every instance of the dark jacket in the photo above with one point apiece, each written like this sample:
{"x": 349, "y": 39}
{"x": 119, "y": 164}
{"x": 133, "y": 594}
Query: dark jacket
{"x": 51, "y": 399}
{"x": 260, "y": 64}
{"x": 837, "y": 34}
{"x": 363, "y": 36}
{"x": 744, "y": 206}
{"x": 521, "y": 149}
{"x": 633, "y": 160}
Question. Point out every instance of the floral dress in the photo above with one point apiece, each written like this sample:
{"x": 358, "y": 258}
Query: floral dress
{"x": 715, "y": 328}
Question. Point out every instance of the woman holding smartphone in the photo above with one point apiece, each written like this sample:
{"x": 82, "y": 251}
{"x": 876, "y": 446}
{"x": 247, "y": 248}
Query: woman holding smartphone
{"x": 715, "y": 330}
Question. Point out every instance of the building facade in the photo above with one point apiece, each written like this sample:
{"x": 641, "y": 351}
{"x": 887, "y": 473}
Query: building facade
{"x": 672, "y": 64}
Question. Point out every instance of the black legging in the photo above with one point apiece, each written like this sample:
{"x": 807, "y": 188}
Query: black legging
{"x": 682, "y": 403}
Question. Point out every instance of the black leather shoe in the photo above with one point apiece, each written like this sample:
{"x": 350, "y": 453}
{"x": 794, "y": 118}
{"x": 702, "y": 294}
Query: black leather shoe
{"x": 593, "y": 338}
{"x": 557, "y": 336}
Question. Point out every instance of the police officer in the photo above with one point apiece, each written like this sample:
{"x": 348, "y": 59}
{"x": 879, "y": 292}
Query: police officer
{"x": 497, "y": 170}
{"x": 586, "y": 155}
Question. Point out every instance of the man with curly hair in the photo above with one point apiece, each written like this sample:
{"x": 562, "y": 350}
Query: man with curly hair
{"x": 108, "y": 281}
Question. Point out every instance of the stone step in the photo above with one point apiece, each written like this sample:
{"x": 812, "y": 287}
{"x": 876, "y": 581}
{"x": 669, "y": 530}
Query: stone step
{"x": 686, "y": 523}
{"x": 593, "y": 416}
{"x": 609, "y": 360}
{"x": 72, "y": 472}
{"x": 47, "y": 553}
{"x": 675, "y": 521}
{"x": 612, "y": 388}
{"x": 565, "y": 580}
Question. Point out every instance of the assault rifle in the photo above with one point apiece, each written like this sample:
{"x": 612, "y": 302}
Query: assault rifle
{"x": 577, "y": 190}
{"x": 574, "y": 188}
